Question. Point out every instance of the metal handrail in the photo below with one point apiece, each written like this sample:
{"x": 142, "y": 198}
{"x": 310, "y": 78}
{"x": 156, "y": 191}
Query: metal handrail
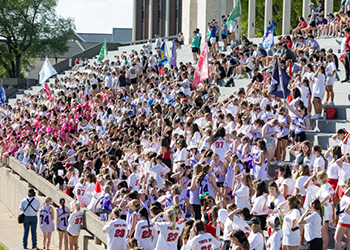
{"x": 145, "y": 40}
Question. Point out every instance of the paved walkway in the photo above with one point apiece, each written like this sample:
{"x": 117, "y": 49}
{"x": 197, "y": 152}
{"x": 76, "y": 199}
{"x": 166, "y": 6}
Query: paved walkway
{"x": 11, "y": 232}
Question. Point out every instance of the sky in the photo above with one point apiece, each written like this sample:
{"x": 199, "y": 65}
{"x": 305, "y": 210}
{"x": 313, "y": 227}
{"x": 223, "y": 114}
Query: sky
{"x": 95, "y": 16}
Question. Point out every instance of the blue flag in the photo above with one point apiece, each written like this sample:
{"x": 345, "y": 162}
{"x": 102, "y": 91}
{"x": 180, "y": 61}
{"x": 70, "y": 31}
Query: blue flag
{"x": 162, "y": 58}
{"x": 2, "y": 95}
{"x": 268, "y": 39}
{"x": 46, "y": 71}
{"x": 280, "y": 81}
{"x": 173, "y": 55}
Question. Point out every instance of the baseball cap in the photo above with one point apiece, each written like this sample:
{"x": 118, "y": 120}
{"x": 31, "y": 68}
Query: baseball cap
{"x": 311, "y": 4}
{"x": 142, "y": 191}
{"x": 259, "y": 47}
{"x": 311, "y": 51}
{"x": 254, "y": 220}
{"x": 243, "y": 34}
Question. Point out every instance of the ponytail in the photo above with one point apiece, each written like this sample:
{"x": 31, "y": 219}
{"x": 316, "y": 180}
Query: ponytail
{"x": 62, "y": 202}
{"x": 143, "y": 213}
{"x": 171, "y": 214}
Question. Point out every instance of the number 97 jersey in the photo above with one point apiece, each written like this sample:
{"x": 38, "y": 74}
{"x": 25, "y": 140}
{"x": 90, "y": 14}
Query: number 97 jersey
{"x": 220, "y": 147}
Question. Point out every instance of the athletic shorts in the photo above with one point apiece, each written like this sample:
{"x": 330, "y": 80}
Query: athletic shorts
{"x": 270, "y": 143}
{"x": 212, "y": 40}
{"x": 217, "y": 39}
{"x": 128, "y": 82}
{"x": 195, "y": 50}
{"x": 133, "y": 81}
{"x": 314, "y": 244}
{"x": 283, "y": 138}
{"x": 94, "y": 86}
{"x": 220, "y": 184}
{"x": 300, "y": 137}
{"x": 209, "y": 43}
{"x": 247, "y": 69}
{"x": 223, "y": 36}
{"x": 292, "y": 133}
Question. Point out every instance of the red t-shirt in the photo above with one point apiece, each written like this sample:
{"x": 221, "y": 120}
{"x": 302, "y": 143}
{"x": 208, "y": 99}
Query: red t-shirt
{"x": 302, "y": 25}
{"x": 290, "y": 44}
{"x": 347, "y": 40}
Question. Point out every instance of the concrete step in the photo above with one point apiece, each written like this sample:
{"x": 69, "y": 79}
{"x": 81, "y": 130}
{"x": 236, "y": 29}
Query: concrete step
{"x": 329, "y": 126}
{"x": 323, "y": 139}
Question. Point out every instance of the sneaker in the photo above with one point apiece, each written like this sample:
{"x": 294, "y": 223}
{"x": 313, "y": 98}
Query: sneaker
{"x": 325, "y": 103}
{"x": 331, "y": 104}
{"x": 281, "y": 163}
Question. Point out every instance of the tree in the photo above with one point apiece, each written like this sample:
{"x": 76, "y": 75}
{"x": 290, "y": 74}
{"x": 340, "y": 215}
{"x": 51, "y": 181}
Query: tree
{"x": 31, "y": 29}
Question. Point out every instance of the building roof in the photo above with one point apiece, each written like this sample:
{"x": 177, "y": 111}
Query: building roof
{"x": 96, "y": 37}
{"x": 118, "y": 35}
{"x": 74, "y": 49}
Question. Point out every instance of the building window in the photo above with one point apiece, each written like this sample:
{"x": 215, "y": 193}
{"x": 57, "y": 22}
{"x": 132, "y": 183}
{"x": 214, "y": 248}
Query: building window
{"x": 177, "y": 17}
{"x": 159, "y": 17}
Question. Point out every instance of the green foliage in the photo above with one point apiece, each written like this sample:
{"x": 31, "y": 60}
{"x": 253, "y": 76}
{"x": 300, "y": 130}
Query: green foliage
{"x": 277, "y": 15}
{"x": 30, "y": 29}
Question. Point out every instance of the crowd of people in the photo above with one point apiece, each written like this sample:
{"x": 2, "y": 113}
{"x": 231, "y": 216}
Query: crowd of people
{"x": 168, "y": 165}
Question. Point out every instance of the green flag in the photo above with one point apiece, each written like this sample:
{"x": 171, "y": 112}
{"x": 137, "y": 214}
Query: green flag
{"x": 236, "y": 12}
{"x": 103, "y": 52}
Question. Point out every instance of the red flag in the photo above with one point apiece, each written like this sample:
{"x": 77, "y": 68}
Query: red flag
{"x": 202, "y": 70}
{"x": 47, "y": 92}
{"x": 98, "y": 188}
{"x": 290, "y": 68}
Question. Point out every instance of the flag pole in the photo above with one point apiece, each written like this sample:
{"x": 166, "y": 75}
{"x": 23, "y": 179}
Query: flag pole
{"x": 281, "y": 78}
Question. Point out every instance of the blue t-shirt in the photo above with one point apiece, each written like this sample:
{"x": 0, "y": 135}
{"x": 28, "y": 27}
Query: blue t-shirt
{"x": 315, "y": 16}
{"x": 213, "y": 31}
{"x": 262, "y": 53}
{"x": 224, "y": 31}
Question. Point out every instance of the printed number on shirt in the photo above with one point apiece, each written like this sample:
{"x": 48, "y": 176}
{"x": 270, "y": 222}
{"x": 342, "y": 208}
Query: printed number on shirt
{"x": 80, "y": 192}
{"x": 219, "y": 144}
{"x": 172, "y": 237}
{"x": 78, "y": 220}
{"x": 45, "y": 219}
{"x": 119, "y": 233}
{"x": 146, "y": 234}
{"x": 137, "y": 182}
{"x": 65, "y": 221}
{"x": 162, "y": 175}
{"x": 206, "y": 248}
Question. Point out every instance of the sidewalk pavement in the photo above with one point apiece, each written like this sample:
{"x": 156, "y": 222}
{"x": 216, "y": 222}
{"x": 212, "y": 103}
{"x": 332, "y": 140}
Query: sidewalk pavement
{"x": 11, "y": 233}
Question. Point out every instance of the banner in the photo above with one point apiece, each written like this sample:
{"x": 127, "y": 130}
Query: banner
{"x": 47, "y": 92}
{"x": 280, "y": 81}
{"x": 173, "y": 55}
{"x": 103, "y": 52}
{"x": 162, "y": 57}
{"x": 202, "y": 70}
{"x": 46, "y": 71}
{"x": 2, "y": 95}
{"x": 236, "y": 12}
{"x": 268, "y": 38}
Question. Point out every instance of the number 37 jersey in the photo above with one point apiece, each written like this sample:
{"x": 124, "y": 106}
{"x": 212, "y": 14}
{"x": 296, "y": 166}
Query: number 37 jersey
{"x": 220, "y": 147}
{"x": 168, "y": 237}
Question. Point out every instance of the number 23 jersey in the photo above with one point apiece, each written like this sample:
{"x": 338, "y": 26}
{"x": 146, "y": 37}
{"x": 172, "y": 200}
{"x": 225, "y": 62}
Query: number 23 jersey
{"x": 116, "y": 230}
{"x": 168, "y": 238}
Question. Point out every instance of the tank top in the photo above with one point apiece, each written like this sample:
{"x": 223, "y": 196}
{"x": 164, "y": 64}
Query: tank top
{"x": 283, "y": 131}
{"x": 218, "y": 177}
{"x": 145, "y": 204}
{"x": 62, "y": 218}
{"x": 128, "y": 219}
{"x": 185, "y": 191}
{"x": 166, "y": 155}
{"x": 182, "y": 203}
{"x": 206, "y": 186}
{"x": 168, "y": 200}
{"x": 193, "y": 161}
{"x": 194, "y": 196}
{"x": 239, "y": 151}
{"x": 301, "y": 122}
{"x": 46, "y": 223}
{"x": 153, "y": 197}
{"x": 269, "y": 131}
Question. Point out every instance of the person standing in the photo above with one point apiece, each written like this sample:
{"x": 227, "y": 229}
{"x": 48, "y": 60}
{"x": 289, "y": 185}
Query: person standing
{"x": 347, "y": 54}
{"x": 30, "y": 207}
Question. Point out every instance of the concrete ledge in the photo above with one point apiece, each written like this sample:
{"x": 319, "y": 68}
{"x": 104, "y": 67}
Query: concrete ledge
{"x": 14, "y": 183}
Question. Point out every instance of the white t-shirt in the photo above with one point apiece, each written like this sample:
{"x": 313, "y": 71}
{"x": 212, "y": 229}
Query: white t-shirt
{"x": 134, "y": 181}
{"x": 220, "y": 147}
{"x": 274, "y": 242}
{"x": 159, "y": 172}
{"x": 344, "y": 173}
{"x": 344, "y": 217}
{"x": 310, "y": 194}
{"x": 117, "y": 231}
{"x": 324, "y": 191}
{"x": 143, "y": 234}
{"x": 305, "y": 95}
{"x": 291, "y": 238}
{"x": 203, "y": 241}
{"x": 290, "y": 184}
{"x": 319, "y": 87}
{"x": 256, "y": 241}
{"x": 329, "y": 70}
{"x": 74, "y": 222}
{"x": 258, "y": 204}
{"x": 242, "y": 198}
{"x": 299, "y": 184}
{"x": 319, "y": 162}
{"x": 83, "y": 193}
{"x": 168, "y": 238}
{"x": 313, "y": 227}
